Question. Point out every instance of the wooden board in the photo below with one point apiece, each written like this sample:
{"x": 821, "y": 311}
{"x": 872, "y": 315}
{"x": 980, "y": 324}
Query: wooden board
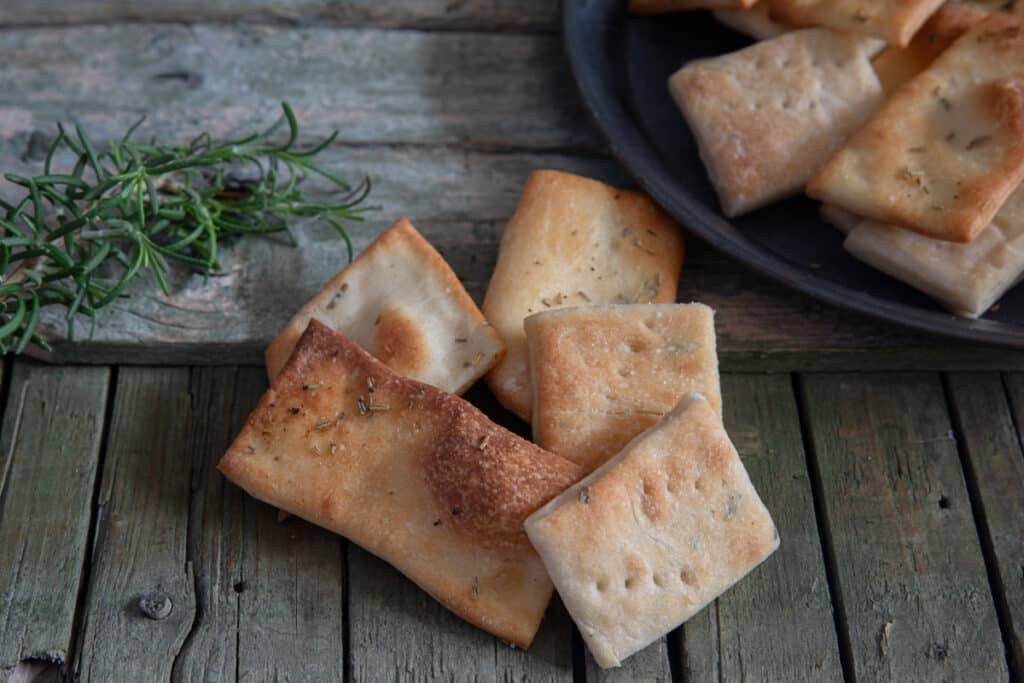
{"x": 902, "y": 542}
{"x": 291, "y": 623}
{"x": 140, "y": 545}
{"x": 777, "y": 623}
{"x": 49, "y": 456}
{"x": 650, "y": 665}
{"x": 425, "y": 116}
{"x": 992, "y": 432}
{"x": 214, "y": 541}
{"x": 399, "y": 633}
{"x": 531, "y": 15}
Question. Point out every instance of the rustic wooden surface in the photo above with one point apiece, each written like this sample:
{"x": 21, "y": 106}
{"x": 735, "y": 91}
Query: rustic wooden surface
{"x": 447, "y": 123}
{"x": 899, "y": 497}
{"x": 901, "y": 543}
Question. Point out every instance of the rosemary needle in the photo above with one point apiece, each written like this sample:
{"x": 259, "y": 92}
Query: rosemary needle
{"x": 78, "y": 237}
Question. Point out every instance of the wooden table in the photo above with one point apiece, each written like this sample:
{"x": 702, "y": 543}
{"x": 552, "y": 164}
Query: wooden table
{"x": 891, "y": 461}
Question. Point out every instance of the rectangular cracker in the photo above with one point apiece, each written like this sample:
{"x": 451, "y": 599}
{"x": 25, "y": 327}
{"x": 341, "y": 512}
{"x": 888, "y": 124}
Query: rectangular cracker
{"x": 603, "y": 374}
{"x": 766, "y": 117}
{"x": 413, "y": 474}
{"x": 647, "y": 540}
{"x": 947, "y": 149}
{"x": 966, "y": 278}
{"x": 574, "y": 241}
{"x": 669, "y": 6}
{"x": 754, "y": 22}
{"x": 894, "y": 21}
{"x": 897, "y": 65}
{"x": 401, "y": 301}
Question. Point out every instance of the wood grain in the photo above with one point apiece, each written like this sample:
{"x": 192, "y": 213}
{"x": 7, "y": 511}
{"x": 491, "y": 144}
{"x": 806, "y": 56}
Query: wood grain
{"x": 376, "y": 87}
{"x": 141, "y": 532}
{"x": 49, "y": 455}
{"x": 291, "y": 595}
{"x": 775, "y": 624}
{"x": 398, "y": 632}
{"x": 907, "y": 560}
{"x": 477, "y": 15}
{"x": 214, "y": 541}
{"x": 990, "y": 431}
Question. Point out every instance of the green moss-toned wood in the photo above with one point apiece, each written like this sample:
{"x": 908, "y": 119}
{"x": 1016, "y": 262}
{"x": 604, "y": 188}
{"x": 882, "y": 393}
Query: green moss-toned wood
{"x": 777, "y": 623}
{"x": 907, "y": 559}
{"x": 398, "y": 632}
{"x": 49, "y": 454}
{"x": 214, "y": 531}
{"x": 533, "y": 15}
{"x": 140, "y": 543}
{"x": 291, "y": 595}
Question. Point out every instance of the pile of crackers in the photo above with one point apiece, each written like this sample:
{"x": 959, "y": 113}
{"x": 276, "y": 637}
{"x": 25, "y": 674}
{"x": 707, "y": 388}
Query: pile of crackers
{"x": 906, "y": 119}
{"x": 633, "y": 502}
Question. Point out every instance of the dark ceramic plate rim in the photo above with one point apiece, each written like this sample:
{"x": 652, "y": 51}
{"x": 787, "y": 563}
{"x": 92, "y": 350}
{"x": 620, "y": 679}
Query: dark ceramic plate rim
{"x": 632, "y": 149}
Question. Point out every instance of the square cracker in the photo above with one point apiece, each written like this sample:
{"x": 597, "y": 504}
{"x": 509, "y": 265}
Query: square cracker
{"x": 947, "y": 149}
{"x": 415, "y": 475}
{"x": 574, "y": 241}
{"x": 966, "y": 278}
{"x": 401, "y": 301}
{"x": 894, "y": 21}
{"x": 897, "y": 65}
{"x": 647, "y": 540}
{"x": 841, "y": 219}
{"x": 767, "y": 116}
{"x": 603, "y": 374}
{"x": 669, "y": 6}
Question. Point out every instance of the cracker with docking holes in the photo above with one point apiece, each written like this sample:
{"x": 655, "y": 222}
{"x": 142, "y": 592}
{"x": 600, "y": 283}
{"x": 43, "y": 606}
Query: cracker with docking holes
{"x": 652, "y": 536}
{"x": 766, "y": 117}
{"x": 966, "y": 278}
{"x": 574, "y": 241}
{"x": 946, "y": 150}
{"x": 603, "y": 374}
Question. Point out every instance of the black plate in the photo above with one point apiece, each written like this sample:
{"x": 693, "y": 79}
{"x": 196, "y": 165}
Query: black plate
{"x": 622, "y": 64}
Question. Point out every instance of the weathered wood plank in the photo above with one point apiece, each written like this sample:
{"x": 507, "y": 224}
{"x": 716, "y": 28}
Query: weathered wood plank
{"x": 291, "y": 596}
{"x": 478, "y": 15}
{"x": 380, "y": 87}
{"x": 989, "y": 428}
{"x": 140, "y": 546}
{"x": 777, "y": 623}
{"x": 49, "y": 455}
{"x": 398, "y": 632}
{"x": 650, "y": 665}
{"x": 214, "y": 542}
{"x": 907, "y": 560}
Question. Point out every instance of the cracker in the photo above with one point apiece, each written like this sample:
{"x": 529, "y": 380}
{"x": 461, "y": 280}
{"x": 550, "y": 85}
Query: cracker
{"x": 894, "y": 21}
{"x": 413, "y": 474}
{"x": 647, "y": 540}
{"x": 841, "y": 219}
{"x": 401, "y": 301}
{"x": 766, "y": 117}
{"x": 603, "y": 374}
{"x": 669, "y": 6}
{"x": 754, "y": 22}
{"x": 966, "y": 278}
{"x": 897, "y": 65}
{"x": 574, "y": 241}
{"x": 947, "y": 149}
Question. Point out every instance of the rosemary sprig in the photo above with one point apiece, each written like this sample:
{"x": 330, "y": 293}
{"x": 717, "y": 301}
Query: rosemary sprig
{"x": 77, "y": 238}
